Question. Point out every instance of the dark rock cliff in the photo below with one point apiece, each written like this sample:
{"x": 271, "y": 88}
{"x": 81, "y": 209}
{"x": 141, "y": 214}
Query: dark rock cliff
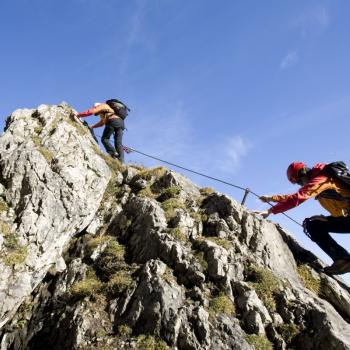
{"x": 97, "y": 255}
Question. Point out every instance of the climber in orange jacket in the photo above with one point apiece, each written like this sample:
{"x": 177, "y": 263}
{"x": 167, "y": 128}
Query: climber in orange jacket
{"x": 113, "y": 125}
{"x": 333, "y": 195}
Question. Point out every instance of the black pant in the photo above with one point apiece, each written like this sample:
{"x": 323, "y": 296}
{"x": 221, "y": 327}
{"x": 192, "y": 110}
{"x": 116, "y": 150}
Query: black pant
{"x": 319, "y": 233}
{"x": 115, "y": 126}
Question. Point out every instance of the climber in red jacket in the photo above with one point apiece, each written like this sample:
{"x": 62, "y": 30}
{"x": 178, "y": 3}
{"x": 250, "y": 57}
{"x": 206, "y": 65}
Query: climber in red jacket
{"x": 333, "y": 195}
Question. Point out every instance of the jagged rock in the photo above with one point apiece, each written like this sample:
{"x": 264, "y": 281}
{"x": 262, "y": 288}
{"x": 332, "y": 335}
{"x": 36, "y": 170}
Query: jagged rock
{"x": 217, "y": 258}
{"x": 54, "y": 182}
{"x": 2, "y": 190}
{"x": 119, "y": 179}
{"x": 96, "y": 254}
{"x": 254, "y": 313}
{"x": 129, "y": 173}
{"x": 336, "y": 294}
{"x": 227, "y": 334}
{"x": 171, "y": 179}
{"x": 154, "y": 305}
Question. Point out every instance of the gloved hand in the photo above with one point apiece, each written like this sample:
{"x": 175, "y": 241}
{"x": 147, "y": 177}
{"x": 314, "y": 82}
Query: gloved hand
{"x": 265, "y": 198}
{"x": 263, "y": 213}
{"x": 127, "y": 149}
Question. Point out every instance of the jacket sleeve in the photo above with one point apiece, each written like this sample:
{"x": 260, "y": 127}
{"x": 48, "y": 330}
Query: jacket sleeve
{"x": 86, "y": 113}
{"x": 313, "y": 188}
{"x": 94, "y": 110}
{"x": 279, "y": 197}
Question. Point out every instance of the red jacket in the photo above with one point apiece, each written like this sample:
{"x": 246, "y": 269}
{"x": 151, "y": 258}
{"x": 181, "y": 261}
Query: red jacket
{"x": 103, "y": 110}
{"x": 319, "y": 182}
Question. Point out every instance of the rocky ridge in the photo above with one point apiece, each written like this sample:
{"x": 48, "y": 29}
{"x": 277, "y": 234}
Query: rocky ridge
{"x": 97, "y": 255}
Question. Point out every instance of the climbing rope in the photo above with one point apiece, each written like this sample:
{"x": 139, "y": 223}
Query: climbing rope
{"x": 247, "y": 190}
{"x": 128, "y": 149}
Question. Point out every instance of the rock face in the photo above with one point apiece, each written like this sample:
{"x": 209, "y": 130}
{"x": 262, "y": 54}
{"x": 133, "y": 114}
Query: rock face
{"x": 97, "y": 255}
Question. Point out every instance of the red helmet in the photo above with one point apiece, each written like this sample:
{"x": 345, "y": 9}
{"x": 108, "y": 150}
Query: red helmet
{"x": 293, "y": 170}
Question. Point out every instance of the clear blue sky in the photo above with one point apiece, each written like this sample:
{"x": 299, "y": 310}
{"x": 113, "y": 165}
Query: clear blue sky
{"x": 236, "y": 89}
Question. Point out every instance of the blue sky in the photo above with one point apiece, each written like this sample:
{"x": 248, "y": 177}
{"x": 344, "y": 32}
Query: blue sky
{"x": 235, "y": 89}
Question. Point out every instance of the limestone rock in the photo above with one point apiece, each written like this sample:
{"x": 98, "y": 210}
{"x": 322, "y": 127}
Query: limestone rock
{"x": 96, "y": 254}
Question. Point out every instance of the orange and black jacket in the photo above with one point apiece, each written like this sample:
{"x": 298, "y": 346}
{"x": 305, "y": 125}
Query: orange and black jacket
{"x": 102, "y": 110}
{"x": 332, "y": 194}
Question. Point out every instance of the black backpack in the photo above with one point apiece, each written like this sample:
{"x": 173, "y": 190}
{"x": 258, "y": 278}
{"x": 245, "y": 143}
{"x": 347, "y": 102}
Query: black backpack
{"x": 338, "y": 170}
{"x": 119, "y": 108}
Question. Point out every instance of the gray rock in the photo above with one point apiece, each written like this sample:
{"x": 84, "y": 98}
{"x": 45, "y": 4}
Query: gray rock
{"x": 53, "y": 190}
{"x": 65, "y": 285}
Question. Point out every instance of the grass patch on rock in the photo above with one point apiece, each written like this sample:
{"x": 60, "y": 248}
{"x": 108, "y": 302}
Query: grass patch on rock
{"x": 95, "y": 242}
{"x": 16, "y": 253}
{"x": 265, "y": 284}
{"x": 124, "y": 331}
{"x": 47, "y": 154}
{"x": 114, "y": 164}
{"x": 89, "y": 287}
{"x": 308, "y": 280}
{"x": 16, "y": 257}
{"x": 147, "y": 342}
{"x": 112, "y": 190}
{"x": 169, "y": 192}
{"x": 259, "y": 342}
{"x": 170, "y": 205}
{"x": 152, "y": 174}
{"x": 288, "y": 332}
{"x": 222, "y": 304}
{"x": 221, "y": 242}
{"x": 81, "y": 130}
{"x": 177, "y": 233}
{"x": 3, "y": 205}
{"x": 206, "y": 191}
{"x": 119, "y": 282}
{"x": 111, "y": 260}
{"x": 146, "y": 192}
{"x": 200, "y": 257}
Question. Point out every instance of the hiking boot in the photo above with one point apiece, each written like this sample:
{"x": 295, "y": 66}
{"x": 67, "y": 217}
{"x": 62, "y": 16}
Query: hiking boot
{"x": 338, "y": 267}
{"x": 114, "y": 155}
